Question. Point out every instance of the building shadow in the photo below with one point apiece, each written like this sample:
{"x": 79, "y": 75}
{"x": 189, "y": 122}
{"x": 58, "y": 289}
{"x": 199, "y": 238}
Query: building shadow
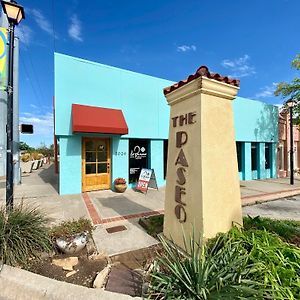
{"x": 48, "y": 176}
{"x": 122, "y": 205}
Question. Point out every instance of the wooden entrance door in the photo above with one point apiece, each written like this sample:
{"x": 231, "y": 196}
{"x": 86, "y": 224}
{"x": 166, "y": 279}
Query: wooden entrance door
{"x": 95, "y": 164}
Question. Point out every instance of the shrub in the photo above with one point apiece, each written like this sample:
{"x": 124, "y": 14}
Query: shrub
{"x": 237, "y": 265}
{"x": 286, "y": 229}
{"x": 281, "y": 261}
{"x": 25, "y": 157}
{"x": 153, "y": 225}
{"x": 23, "y": 235}
{"x": 69, "y": 228}
{"x": 36, "y": 155}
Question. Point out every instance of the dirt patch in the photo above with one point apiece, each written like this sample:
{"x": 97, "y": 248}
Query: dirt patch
{"x": 86, "y": 269}
{"x": 295, "y": 241}
{"x": 138, "y": 259}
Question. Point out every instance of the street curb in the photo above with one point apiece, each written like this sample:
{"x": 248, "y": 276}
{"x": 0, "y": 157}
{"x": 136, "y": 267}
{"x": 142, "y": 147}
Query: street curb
{"x": 18, "y": 284}
{"x": 252, "y": 200}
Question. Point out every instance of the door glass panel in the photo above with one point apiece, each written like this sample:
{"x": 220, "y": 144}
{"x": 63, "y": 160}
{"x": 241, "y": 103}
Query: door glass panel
{"x": 102, "y": 156}
{"x": 90, "y": 146}
{"x": 90, "y": 169}
{"x": 90, "y": 157}
{"x": 102, "y": 151}
{"x": 102, "y": 168}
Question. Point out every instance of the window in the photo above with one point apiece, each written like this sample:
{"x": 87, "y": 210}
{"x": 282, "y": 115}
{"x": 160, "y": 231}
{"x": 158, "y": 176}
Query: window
{"x": 239, "y": 153}
{"x": 165, "y": 157}
{"x": 268, "y": 147}
{"x": 254, "y": 156}
{"x": 281, "y": 157}
{"x": 138, "y": 158}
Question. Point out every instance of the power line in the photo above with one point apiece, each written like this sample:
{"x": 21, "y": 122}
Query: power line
{"x": 33, "y": 69}
{"x": 28, "y": 76}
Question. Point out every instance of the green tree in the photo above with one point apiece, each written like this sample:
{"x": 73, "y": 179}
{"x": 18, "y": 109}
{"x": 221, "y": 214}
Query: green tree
{"x": 25, "y": 147}
{"x": 45, "y": 150}
{"x": 291, "y": 90}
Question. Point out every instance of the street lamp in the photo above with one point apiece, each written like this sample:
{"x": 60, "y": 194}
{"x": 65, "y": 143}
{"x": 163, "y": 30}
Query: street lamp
{"x": 291, "y": 103}
{"x": 15, "y": 14}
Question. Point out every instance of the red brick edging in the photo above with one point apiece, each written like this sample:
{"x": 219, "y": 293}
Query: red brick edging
{"x": 91, "y": 209}
{"x": 246, "y": 200}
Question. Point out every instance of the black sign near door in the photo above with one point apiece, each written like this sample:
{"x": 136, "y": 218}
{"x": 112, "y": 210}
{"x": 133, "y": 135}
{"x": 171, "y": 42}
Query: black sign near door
{"x": 138, "y": 158}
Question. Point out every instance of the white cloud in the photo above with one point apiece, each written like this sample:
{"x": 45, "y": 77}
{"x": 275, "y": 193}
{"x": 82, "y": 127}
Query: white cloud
{"x": 266, "y": 91}
{"x": 33, "y": 106}
{"x": 42, "y": 123}
{"x": 75, "y": 29}
{"x": 41, "y": 20}
{"x": 24, "y": 33}
{"x": 240, "y": 67}
{"x": 186, "y": 48}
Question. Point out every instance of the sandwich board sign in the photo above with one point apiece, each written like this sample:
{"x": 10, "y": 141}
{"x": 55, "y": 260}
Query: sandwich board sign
{"x": 147, "y": 180}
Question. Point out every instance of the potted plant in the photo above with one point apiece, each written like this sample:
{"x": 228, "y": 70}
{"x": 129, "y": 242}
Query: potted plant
{"x": 71, "y": 236}
{"x": 120, "y": 185}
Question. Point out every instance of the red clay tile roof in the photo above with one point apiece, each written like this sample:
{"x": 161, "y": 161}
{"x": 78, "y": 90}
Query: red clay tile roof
{"x": 202, "y": 72}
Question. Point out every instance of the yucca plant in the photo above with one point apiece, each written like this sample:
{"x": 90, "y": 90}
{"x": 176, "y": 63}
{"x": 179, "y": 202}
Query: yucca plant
{"x": 23, "y": 235}
{"x": 221, "y": 271}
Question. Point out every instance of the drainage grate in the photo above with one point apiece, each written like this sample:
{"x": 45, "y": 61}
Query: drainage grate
{"x": 116, "y": 229}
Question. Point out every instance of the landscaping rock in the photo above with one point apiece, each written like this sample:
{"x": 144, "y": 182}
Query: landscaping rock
{"x": 66, "y": 263}
{"x": 101, "y": 278}
{"x": 125, "y": 281}
{"x": 99, "y": 256}
{"x": 90, "y": 247}
{"x": 71, "y": 273}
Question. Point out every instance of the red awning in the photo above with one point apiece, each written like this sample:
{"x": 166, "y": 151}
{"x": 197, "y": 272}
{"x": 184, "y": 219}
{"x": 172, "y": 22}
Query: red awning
{"x": 98, "y": 120}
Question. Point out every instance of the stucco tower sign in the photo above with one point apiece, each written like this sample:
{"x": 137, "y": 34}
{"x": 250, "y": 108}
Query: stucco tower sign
{"x": 202, "y": 178}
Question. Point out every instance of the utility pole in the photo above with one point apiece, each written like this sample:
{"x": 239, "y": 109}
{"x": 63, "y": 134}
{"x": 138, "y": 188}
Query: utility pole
{"x": 15, "y": 14}
{"x": 9, "y": 125}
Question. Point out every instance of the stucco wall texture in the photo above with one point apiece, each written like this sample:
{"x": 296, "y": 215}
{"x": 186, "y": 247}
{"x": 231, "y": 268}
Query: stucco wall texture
{"x": 147, "y": 115}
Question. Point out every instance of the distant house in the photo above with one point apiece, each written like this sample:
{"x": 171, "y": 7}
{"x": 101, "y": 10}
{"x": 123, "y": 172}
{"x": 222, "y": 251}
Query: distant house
{"x": 284, "y": 145}
{"x": 111, "y": 123}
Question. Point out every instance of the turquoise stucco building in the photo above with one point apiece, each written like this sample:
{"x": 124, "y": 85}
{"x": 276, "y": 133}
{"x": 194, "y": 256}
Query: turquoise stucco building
{"x": 111, "y": 122}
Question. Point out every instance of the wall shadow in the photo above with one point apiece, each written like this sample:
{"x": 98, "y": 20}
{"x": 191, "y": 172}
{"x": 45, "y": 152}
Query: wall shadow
{"x": 267, "y": 124}
{"x": 48, "y": 176}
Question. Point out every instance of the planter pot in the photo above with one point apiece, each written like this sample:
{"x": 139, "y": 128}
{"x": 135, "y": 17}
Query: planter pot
{"x": 120, "y": 188}
{"x": 26, "y": 167}
{"x": 72, "y": 244}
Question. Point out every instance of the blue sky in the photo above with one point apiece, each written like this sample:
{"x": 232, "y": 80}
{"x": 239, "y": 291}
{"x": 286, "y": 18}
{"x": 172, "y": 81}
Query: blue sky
{"x": 254, "y": 41}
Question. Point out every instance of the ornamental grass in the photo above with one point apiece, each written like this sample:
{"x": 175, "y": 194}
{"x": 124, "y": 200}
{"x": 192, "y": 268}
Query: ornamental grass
{"x": 23, "y": 235}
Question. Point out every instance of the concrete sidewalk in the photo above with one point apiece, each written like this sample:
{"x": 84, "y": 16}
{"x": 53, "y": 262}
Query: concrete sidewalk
{"x": 39, "y": 189}
{"x": 257, "y": 191}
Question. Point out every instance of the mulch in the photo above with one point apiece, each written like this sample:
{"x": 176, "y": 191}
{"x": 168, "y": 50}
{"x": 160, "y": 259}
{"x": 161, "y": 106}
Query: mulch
{"x": 87, "y": 269}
